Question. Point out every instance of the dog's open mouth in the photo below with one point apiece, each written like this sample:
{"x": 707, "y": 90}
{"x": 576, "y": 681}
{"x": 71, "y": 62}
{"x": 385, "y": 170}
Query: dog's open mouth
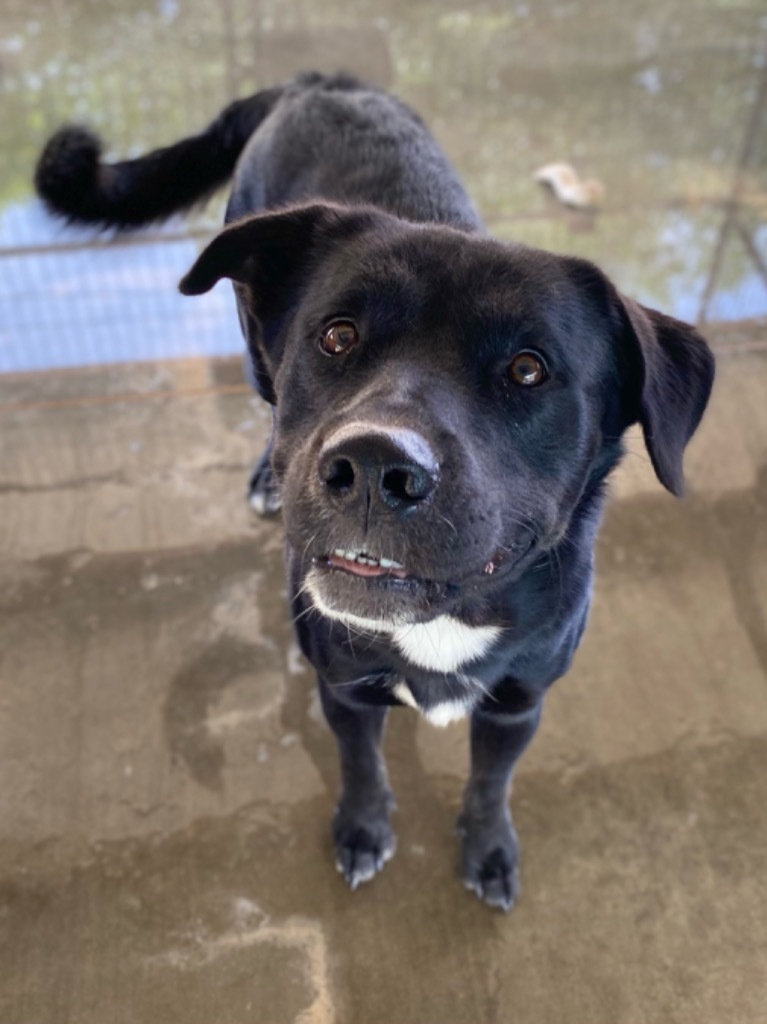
{"x": 360, "y": 563}
{"x": 356, "y": 586}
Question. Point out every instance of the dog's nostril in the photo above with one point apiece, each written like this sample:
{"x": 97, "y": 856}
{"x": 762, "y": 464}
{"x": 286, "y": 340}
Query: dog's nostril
{"x": 339, "y": 475}
{"x": 405, "y": 486}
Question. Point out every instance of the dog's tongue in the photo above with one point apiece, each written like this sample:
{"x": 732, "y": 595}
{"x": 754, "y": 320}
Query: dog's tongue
{"x": 363, "y": 569}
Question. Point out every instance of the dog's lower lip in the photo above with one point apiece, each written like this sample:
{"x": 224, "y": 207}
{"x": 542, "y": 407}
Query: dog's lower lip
{"x": 365, "y": 569}
{"x": 371, "y": 568}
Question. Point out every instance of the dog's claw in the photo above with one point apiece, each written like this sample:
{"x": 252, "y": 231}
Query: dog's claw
{"x": 263, "y": 489}
{"x": 358, "y": 867}
{"x": 490, "y": 864}
{"x": 500, "y": 882}
{"x": 362, "y": 852}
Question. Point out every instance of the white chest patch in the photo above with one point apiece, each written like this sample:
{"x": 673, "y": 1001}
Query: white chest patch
{"x": 445, "y": 644}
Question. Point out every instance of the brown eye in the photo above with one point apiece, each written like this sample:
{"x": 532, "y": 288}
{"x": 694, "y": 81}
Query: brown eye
{"x": 339, "y": 339}
{"x": 527, "y": 369}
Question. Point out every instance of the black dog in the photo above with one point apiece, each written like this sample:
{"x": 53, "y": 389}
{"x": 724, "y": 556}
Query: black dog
{"x": 446, "y": 411}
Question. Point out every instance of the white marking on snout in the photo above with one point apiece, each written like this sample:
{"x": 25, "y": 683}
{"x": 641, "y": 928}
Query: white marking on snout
{"x": 355, "y": 621}
{"x": 412, "y": 445}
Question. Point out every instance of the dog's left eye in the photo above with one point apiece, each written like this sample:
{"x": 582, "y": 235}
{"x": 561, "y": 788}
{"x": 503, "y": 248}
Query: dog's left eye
{"x": 339, "y": 338}
{"x": 528, "y": 369}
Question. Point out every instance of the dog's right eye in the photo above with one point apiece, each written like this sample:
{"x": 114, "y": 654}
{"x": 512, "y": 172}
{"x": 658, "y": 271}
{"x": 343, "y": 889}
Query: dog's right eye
{"x": 528, "y": 369}
{"x": 339, "y": 338}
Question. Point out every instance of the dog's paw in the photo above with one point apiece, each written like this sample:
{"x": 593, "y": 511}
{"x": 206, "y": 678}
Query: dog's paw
{"x": 490, "y": 861}
{"x": 263, "y": 490}
{"x": 364, "y": 843}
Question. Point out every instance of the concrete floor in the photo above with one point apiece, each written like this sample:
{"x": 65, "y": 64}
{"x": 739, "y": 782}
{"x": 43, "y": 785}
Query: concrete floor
{"x": 166, "y": 778}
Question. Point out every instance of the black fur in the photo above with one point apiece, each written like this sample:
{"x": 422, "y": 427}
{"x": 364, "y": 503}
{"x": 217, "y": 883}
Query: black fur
{"x": 417, "y": 444}
{"x": 73, "y": 181}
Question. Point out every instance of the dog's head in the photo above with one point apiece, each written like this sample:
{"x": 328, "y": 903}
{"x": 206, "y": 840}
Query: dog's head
{"x": 444, "y": 403}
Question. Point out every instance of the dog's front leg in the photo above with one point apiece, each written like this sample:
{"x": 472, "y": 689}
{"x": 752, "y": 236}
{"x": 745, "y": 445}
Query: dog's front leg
{"x": 363, "y": 835}
{"x": 263, "y": 489}
{"x": 490, "y": 850}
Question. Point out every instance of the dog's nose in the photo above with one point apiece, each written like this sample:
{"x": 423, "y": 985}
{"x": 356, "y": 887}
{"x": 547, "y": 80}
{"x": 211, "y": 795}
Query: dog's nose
{"x": 397, "y": 466}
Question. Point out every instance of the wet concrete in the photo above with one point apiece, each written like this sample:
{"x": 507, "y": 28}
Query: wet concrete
{"x": 166, "y": 778}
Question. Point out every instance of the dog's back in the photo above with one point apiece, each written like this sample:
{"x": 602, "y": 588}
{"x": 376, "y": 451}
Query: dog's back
{"x": 334, "y": 138}
{"x": 276, "y": 145}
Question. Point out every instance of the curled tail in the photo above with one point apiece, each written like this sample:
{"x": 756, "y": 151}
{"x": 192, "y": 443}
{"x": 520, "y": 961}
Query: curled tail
{"x": 74, "y": 183}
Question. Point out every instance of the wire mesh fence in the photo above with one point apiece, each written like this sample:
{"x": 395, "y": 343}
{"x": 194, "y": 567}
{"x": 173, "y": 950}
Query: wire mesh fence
{"x": 667, "y": 108}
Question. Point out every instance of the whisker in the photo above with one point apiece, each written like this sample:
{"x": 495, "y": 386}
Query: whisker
{"x": 479, "y": 685}
{"x": 446, "y": 520}
{"x": 297, "y": 618}
{"x": 371, "y": 677}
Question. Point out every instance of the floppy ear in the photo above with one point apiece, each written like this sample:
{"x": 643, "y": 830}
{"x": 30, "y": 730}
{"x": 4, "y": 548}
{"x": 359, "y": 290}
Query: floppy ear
{"x": 263, "y": 251}
{"x": 269, "y": 257}
{"x": 677, "y": 373}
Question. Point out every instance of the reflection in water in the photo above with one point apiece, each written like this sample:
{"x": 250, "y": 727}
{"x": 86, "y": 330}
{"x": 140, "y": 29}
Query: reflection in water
{"x": 507, "y": 89}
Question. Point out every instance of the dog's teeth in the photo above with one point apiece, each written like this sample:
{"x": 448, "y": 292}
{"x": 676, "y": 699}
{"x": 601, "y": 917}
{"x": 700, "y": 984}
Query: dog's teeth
{"x": 364, "y": 559}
